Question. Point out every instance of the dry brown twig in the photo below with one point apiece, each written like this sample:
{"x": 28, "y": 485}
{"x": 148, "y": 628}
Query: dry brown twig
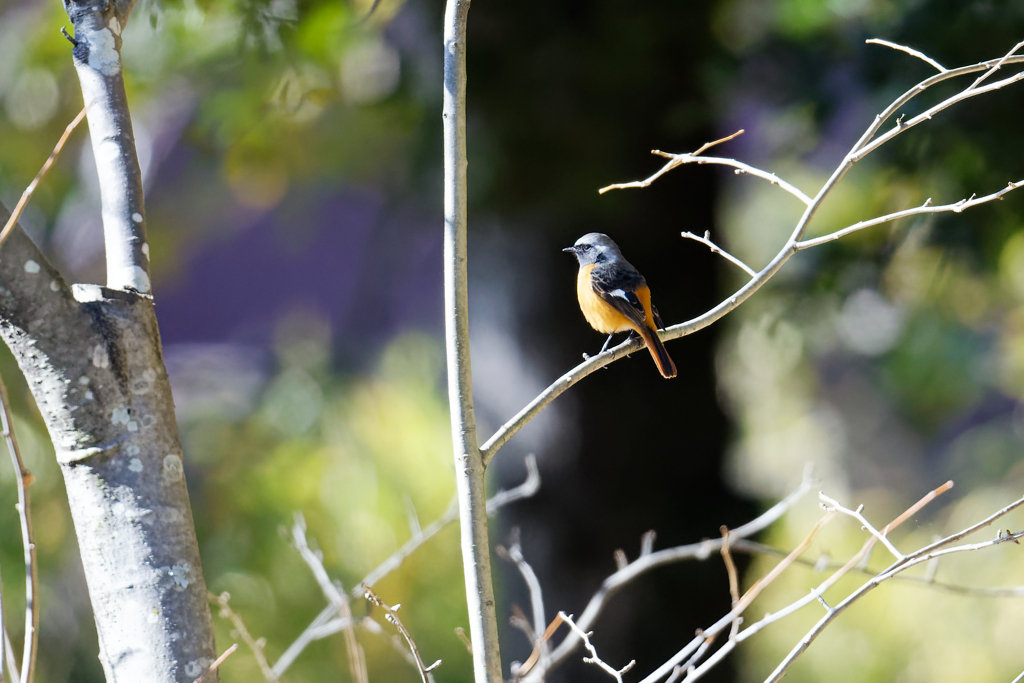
{"x": 256, "y": 645}
{"x": 217, "y": 662}
{"x": 23, "y": 478}
{"x": 391, "y": 614}
{"x": 27, "y": 194}
{"x": 734, "y": 583}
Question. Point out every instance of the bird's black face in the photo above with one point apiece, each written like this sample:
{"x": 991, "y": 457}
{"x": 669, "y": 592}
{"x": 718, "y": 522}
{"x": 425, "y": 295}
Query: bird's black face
{"x": 594, "y": 248}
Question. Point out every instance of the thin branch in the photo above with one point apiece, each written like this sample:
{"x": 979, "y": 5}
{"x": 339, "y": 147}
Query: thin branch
{"x": 23, "y": 478}
{"x": 671, "y": 164}
{"x": 910, "y": 51}
{"x": 217, "y": 662}
{"x": 335, "y": 596}
{"x": 734, "y": 584}
{"x": 676, "y": 160}
{"x": 12, "y": 662}
{"x": 995, "y": 67}
{"x": 715, "y": 249}
{"x": 593, "y": 658}
{"x": 928, "y": 580}
{"x": 814, "y": 594}
{"x": 514, "y": 554}
{"x": 528, "y": 488}
{"x": 27, "y": 194}
{"x": 927, "y": 207}
{"x": 694, "y": 551}
{"x": 900, "y": 566}
{"x": 391, "y": 614}
{"x": 831, "y": 505}
{"x": 528, "y": 665}
{"x": 255, "y": 645}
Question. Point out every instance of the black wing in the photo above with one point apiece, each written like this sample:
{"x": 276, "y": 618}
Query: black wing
{"x": 617, "y": 285}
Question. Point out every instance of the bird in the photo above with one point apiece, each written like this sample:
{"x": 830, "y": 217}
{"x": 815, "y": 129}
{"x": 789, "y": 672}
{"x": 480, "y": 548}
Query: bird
{"x": 614, "y": 296}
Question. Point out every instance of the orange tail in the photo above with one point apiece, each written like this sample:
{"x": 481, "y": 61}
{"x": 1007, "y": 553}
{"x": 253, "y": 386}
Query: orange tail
{"x": 658, "y": 352}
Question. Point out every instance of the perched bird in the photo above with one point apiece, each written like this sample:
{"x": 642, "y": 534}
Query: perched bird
{"x": 614, "y": 296}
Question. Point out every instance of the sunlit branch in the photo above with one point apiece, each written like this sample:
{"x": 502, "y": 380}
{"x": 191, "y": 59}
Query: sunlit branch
{"x": 391, "y": 614}
{"x": 900, "y": 566}
{"x": 694, "y": 551}
{"x": 831, "y": 504}
{"x": 927, "y": 207}
{"x": 910, "y": 51}
{"x": 327, "y": 623}
{"x": 863, "y": 147}
{"x": 255, "y": 645}
{"x": 770, "y": 618}
{"x": 593, "y": 658}
{"x": 27, "y": 194}
{"x": 23, "y": 478}
{"x": 217, "y": 662}
{"x": 715, "y": 249}
{"x": 335, "y": 596}
{"x": 514, "y": 554}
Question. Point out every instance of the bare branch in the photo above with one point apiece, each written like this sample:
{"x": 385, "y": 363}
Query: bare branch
{"x": 593, "y": 658}
{"x": 645, "y": 563}
{"x": 23, "y": 478}
{"x": 391, "y": 614}
{"x": 900, "y": 566}
{"x": 927, "y": 207}
{"x": 862, "y": 148}
{"x": 27, "y": 194}
{"x": 676, "y": 160}
{"x": 715, "y": 249}
{"x": 734, "y": 584}
{"x": 831, "y": 505}
{"x": 908, "y": 50}
{"x": 217, "y": 662}
{"x": 12, "y": 663}
{"x": 528, "y": 488}
{"x": 255, "y": 645}
{"x": 514, "y": 554}
{"x": 335, "y": 596}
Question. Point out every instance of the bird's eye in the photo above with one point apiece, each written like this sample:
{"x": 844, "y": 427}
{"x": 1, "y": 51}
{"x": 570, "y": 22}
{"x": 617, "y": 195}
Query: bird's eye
{"x": 585, "y": 247}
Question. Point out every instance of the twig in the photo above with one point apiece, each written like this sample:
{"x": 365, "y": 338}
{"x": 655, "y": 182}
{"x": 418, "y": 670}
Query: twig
{"x": 12, "y": 663}
{"x": 217, "y": 662}
{"x": 255, "y": 645}
{"x": 325, "y": 624}
{"x": 23, "y": 478}
{"x": 734, "y": 584}
{"x": 593, "y": 658}
{"x": 900, "y": 566}
{"x": 928, "y": 580}
{"x": 27, "y": 194}
{"x": 514, "y": 554}
{"x": 645, "y": 563}
{"x": 529, "y": 487}
{"x": 910, "y": 51}
{"x": 715, "y": 249}
{"x": 864, "y": 146}
{"x": 535, "y": 655}
{"x": 927, "y": 207}
{"x": 831, "y": 504}
{"x": 726, "y": 620}
{"x": 335, "y": 596}
{"x": 391, "y": 614}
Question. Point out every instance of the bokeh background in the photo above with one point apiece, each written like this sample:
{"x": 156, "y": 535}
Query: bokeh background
{"x": 291, "y": 153}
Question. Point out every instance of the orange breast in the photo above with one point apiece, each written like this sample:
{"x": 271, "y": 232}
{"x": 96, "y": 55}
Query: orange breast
{"x": 601, "y": 315}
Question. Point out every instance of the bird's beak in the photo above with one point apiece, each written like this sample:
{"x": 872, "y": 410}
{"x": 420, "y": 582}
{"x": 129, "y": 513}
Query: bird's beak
{"x": 571, "y": 249}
